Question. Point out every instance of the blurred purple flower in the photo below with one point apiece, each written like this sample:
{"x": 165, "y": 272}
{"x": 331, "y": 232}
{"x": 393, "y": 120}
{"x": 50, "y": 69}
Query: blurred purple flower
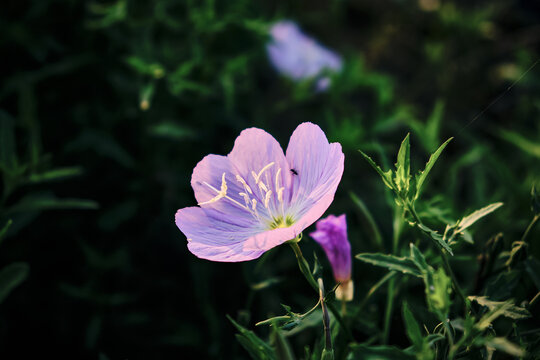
{"x": 256, "y": 197}
{"x": 331, "y": 234}
{"x": 300, "y": 57}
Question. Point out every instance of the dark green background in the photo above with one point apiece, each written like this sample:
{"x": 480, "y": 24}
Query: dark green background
{"x": 117, "y": 281}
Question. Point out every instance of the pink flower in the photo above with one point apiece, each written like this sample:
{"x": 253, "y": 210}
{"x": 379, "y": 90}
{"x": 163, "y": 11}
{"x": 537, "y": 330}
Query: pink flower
{"x": 300, "y": 57}
{"x": 256, "y": 197}
{"x": 331, "y": 234}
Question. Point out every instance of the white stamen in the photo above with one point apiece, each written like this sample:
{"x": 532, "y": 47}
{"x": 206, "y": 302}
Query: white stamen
{"x": 245, "y": 196}
{"x": 243, "y": 182}
{"x": 267, "y": 198}
{"x": 278, "y": 173}
{"x": 262, "y": 186}
{"x": 220, "y": 194}
{"x": 280, "y": 194}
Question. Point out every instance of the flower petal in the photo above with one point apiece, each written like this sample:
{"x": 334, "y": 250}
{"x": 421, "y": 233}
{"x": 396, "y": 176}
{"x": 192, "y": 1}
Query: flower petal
{"x": 213, "y": 236}
{"x": 208, "y": 175}
{"x": 253, "y": 151}
{"x": 318, "y": 165}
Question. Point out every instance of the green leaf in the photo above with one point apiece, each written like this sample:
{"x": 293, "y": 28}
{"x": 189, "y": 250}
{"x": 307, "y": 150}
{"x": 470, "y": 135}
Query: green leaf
{"x": 40, "y": 202}
{"x": 511, "y": 311}
{"x": 386, "y": 176}
{"x": 403, "y": 167}
{"x": 421, "y": 177}
{"x": 8, "y": 155}
{"x": 391, "y": 262}
{"x": 55, "y": 174}
{"x": 141, "y": 66}
{"x": 535, "y": 200}
{"x": 382, "y": 352}
{"x": 257, "y": 348}
{"x": 12, "y": 276}
{"x": 528, "y": 146}
{"x": 418, "y": 258}
{"x": 502, "y": 344}
{"x": 412, "y": 328}
{"x": 438, "y": 289}
{"x": 468, "y": 220}
{"x": 281, "y": 345}
{"x": 439, "y": 239}
{"x": 369, "y": 220}
{"x": 171, "y": 130}
{"x": 5, "y": 229}
{"x": 532, "y": 266}
{"x": 493, "y": 314}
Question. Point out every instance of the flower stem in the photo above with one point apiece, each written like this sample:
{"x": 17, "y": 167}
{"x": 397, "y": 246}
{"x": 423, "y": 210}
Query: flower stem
{"x": 328, "y": 353}
{"x": 530, "y": 227}
{"x": 304, "y": 268}
{"x": 446, "y": 263}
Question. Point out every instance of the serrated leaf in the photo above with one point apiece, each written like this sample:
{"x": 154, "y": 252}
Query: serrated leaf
{"x": 55, "y": 174}
{"x": 421, "y": 177}
{"x": 502, "y": 344}
{"x": 12, "y": 276}
{"x": 511, "y": 311}
{"x": 257, "y": 348}
{"x": 403, "y": 166}
{"x": 468, "y": 220}
{"x": 492, "y": 315}
{"x": 439, "y": 239}
{"x": 391, "y": 262}
{"x": 381, "y": 352}
{"x": 418, "y": 258}
{"x": 386, "y": 176}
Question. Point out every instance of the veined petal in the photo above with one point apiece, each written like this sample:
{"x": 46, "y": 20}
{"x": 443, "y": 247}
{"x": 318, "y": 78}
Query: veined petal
{"x": 207, "y": 177}
{"x": 252, "y": 155}
{"x": 215, "y": 236}
{"x": 318, "y": 165}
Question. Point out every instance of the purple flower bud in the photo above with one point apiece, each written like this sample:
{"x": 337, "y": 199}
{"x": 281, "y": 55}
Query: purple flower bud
{"x": 300, "y": 57}
{"x": 331, "y": 234}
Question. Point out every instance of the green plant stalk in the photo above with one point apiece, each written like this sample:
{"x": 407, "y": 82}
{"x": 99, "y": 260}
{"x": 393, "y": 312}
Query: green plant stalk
{"x": 304, "y": 268}
{"x": 446, "y": 264}
{"x": 530, "y": 227}
{"x": 398, "y": 224}
{"x": 328, "y": 352}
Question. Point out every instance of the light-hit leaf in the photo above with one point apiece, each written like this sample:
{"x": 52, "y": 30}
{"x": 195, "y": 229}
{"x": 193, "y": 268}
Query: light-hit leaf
{"x": 511, "y": 311}
{"x": 421, "y": 177}
{"x": 468, "y": 220}
{"x": 391, "y": 262}
{"x": 438, "y": 289}
{"x": 403, "y": 166}
{"x": 386, "y": 176}
{"x": 493, "y": 314}
{"x": 55, "y": 174}
{"x": 381, "y": 352}
{"x": 502, "y": 344}
{"x": 12, "y": 276}
{"x": 257, "y": 348}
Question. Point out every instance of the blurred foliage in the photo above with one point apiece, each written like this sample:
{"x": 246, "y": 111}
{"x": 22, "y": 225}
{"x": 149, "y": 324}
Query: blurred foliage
{"x": 106, "y": 107}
